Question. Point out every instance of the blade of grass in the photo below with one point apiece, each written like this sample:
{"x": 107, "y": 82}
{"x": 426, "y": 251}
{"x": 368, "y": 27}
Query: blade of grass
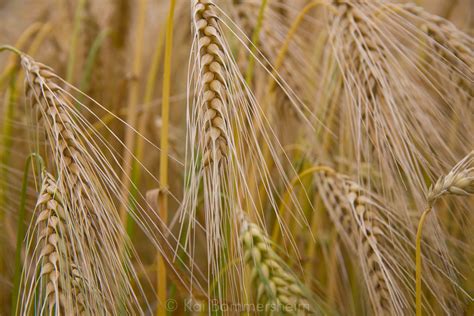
{"x": 91, "y": 58}
{"x": 147, "y": 102}
{"x": 7, "y": 131}
{"x": 11, "y": 97}
{"x": 287, "y": 195}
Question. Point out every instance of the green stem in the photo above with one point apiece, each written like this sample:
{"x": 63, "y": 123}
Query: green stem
{"x": 91, "y": 57}
{"x": 132, "y": 110}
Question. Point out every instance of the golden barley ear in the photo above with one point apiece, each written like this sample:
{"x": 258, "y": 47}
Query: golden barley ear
{"x": 228, "y": 136}
{"x": 459, "y": 181}
{"x": 393, "y": 125}
{"x": 211, "y": 51}
{"x": 95, "y": 232}
{"x": 361, "y": 231}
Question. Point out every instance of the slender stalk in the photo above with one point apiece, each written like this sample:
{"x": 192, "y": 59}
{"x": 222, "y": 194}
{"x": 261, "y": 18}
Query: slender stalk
{"x": 279, "y": 62}
{"x": 21, "y": 230}
{"x": 418, "y": 259}
{"x": 11, "y": 99}
{"x": 75, "y": 35}
{"x": 255, "y": 36}
{"x": 164, "y": 145}
{"x": 11, "y": 49}
{"x": 91, "y": 58}
{"x": 291, "y": 33}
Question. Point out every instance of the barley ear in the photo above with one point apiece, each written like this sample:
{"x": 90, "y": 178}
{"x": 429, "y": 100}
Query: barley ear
{"x": 61, "y": 287}
{"x": 277, "y": 288}
{"x": 459, "y": 181}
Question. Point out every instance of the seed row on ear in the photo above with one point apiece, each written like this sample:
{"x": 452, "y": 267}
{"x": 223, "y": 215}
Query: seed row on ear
{"x": 212, "y": 87}
{"x": 455, "y": 46}
{"x": 348, "y": 209}
{"x": 459, "y": 181}
{"x": 64, "y": 284}
{"x": 453, "y": 52}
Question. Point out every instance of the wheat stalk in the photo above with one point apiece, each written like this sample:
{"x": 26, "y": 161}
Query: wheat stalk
{"x": 228, "y": 127}
{"x": 210, "y": 130}
{"x": 234, "y": 135}
{"x": 383, "y": 113}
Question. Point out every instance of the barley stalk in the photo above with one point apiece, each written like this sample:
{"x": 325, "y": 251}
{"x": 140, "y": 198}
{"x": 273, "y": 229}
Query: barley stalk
{"x": 211, "y": 133}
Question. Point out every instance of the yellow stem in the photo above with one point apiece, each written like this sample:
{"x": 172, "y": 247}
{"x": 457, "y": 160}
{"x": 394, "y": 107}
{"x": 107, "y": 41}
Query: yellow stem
{"x": 164, "y": 146}
{"x": 293, "y": 28}
{"x": 418, "y": 259}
